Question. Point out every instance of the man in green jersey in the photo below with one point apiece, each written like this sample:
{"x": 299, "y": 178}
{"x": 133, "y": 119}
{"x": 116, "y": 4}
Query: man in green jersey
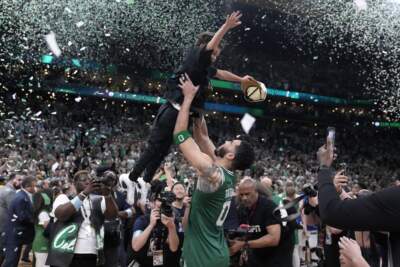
{"x": 204, "y": 243}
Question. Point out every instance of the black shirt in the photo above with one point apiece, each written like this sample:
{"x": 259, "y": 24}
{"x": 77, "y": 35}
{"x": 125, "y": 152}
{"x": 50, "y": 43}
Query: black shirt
{"x": 262, "y": 215}
{"x": 197, "y": 65}
{"x": 170, "y": 258}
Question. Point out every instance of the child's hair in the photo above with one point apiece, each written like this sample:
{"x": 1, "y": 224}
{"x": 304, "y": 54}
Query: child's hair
{"x": 204, "y": 38}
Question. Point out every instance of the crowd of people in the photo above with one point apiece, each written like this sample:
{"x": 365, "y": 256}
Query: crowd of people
{"x": 90, "y": 183}
{"x": 53, "y": 147}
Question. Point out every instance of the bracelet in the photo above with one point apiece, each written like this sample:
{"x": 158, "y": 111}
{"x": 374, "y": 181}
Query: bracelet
{"x": 181, "y": 137}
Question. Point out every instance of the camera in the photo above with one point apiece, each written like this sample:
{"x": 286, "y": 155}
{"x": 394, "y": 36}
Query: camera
{"x": 243, "y": 232}
{"x": 166, "y": 199}
{"x": 310, "y": 190}
{"x": 108, "y": 178}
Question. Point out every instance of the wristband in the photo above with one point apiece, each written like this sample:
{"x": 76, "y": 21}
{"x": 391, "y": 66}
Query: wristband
{"x": 181, "y": 137}
{"x": 77, "y": 203}
{"x": 129, "y": 212}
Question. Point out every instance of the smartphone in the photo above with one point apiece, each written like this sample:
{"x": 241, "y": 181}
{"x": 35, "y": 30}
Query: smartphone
{"x": 343, "y": 166}
{"x": 331, "y": 135}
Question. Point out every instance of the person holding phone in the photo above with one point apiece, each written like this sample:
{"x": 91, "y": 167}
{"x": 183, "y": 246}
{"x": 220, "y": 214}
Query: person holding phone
{"x": 377, "y": 212}
{"x": 77, "y": 239}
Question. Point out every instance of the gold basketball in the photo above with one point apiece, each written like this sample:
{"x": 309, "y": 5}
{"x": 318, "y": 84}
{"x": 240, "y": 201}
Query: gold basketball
{"x": 254, "y": 91}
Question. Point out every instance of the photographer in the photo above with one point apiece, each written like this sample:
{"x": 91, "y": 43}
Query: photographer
{"x": 328, "y": 236}
{"x": 155, "y": 239}
{"x": 377, "y": 212}
{"x": 266, "y": 242}
{"x": 114, "y": 248}
{"x": 77, "y": 235}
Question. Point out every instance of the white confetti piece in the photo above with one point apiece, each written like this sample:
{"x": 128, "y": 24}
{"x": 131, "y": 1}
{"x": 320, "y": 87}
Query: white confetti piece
{"x": 361, "y": 4}
{"x": 78, "y": 99}
{"x": 247, "y": 122}
{"x": 80, "y": 24}
{"x": 52, "y": 44}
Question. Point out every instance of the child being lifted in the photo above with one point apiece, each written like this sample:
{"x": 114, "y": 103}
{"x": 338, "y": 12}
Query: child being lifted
{"x": 198, "y": 66}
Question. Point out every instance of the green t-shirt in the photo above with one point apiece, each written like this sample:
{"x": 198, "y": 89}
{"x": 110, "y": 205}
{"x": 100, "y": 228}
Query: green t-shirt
{"x": 277, "y": 199}
{"x": 204, "y": 243}
{"x": 40, "y": 243}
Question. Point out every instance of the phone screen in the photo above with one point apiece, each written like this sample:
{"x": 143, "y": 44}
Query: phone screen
{"x": 331, "y": 135}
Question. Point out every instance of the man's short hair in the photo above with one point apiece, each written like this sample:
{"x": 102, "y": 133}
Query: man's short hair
{"x": 204, "y": 38}
{"x": 81, "y": 173}
{"x": 244, "y": 156}
{"x": 249, "y": 182}
{"x": 28, "y": 181}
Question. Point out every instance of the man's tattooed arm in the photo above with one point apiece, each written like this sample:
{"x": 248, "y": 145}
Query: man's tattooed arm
{"x": 210, "y": 179}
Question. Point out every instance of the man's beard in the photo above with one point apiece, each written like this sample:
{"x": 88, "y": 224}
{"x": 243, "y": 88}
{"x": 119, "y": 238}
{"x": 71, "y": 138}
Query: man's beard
{"x": 16, "y": 186}
{"x": 220, "y": 152}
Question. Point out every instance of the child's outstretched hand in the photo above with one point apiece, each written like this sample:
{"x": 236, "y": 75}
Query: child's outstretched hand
{"x": 233, "y": 20}
{"x": 188, "y": 89}
{"x": 247, "y": 78}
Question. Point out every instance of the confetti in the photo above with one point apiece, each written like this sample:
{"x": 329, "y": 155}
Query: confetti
{"x": 52, "y": 44}
{"x": 361, "y": 4}
{"x": 247, "y": 122}
{"x": 80, "y": 24}
{"x": 78, "y": 99}
{"x": 354, "y": 29}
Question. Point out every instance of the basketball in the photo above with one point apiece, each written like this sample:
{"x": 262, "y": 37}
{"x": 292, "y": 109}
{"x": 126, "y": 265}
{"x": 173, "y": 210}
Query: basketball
{"x": 254, "y": 91}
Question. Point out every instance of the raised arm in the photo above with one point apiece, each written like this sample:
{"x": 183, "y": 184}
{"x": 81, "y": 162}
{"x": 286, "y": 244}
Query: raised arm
{"x": 191, "y": 151}
{"x": 229, "y": 76}
{"x": 232, "y": 21}
{"x": 200, "y": 134}
{"x": 376, "y": 212}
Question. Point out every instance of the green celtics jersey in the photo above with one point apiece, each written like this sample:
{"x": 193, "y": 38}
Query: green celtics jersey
{"x": 204, "y": 243}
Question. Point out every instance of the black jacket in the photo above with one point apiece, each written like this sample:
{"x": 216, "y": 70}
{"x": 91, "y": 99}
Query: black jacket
{"x": 20, "y": 226}
{"x": 377, "y": 212}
